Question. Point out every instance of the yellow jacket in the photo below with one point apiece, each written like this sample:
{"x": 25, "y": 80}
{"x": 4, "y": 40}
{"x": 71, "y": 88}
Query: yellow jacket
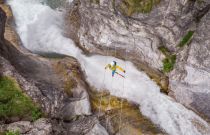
{"x": 114, "y": 67}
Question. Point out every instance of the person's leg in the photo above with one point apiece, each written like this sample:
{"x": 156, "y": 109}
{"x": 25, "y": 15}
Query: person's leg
{"x": 113, "y": 72}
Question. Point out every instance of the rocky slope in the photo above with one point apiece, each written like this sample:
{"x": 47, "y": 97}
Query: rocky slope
{"x": 104, "y": 27}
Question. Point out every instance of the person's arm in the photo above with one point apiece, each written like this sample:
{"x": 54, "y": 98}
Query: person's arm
{"x": 108, "y": 65}
{"x": 121, "y": 69}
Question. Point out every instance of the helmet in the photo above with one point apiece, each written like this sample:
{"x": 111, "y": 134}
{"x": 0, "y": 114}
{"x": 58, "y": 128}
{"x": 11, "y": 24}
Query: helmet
{"x": 113, "y": 63}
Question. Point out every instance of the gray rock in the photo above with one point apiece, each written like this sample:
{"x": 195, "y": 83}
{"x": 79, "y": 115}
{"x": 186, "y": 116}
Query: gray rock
{"x": 39, "y": 127}
{"x": 20, "y": 126}
{"x": 101, "y": 28}
{"x": 97, "y": 130}
{"x": 189, "y": 82}
{"x": 87, "y": 125}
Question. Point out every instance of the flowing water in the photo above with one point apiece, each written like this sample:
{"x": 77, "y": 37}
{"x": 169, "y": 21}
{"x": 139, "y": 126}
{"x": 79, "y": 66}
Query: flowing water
{"x": 40, "y": 30}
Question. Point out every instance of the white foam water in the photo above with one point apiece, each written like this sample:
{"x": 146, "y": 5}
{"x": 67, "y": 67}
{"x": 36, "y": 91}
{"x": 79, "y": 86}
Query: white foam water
{"x": 40, "y": 29}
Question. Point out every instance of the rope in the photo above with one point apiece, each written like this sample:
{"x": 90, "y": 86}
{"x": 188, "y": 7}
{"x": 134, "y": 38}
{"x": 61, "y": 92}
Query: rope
{"x": 104, "y": 76}
{"x": 121, "y": 101}
{"x": 107, "y": 120}
{"x": 112, "y": 80}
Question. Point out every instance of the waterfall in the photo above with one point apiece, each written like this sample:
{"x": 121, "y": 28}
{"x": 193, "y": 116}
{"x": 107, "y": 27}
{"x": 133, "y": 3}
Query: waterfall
{"x": 40, "y": 30}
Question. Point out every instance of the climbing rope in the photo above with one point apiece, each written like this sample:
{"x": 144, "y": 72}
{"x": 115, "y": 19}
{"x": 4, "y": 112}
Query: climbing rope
{"x": 121, "y": 101}
{"x": 104, "y": 76}
{"x": 109, "y": 98}
{"x": 115, "y": 54}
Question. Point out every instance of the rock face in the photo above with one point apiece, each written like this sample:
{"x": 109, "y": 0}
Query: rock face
{"x": 2, "y": 24}
{"x": 189, "y": 82}
{"x": 102, "y": 28}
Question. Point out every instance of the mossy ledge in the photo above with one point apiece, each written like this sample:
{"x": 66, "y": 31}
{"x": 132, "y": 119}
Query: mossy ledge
{"x": 129, "y": 7}
{"x": 169, "y": 61}
{"x": 14, "y": 103}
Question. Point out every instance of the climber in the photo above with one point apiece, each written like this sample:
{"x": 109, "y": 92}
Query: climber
{"x": 113, "y": 66}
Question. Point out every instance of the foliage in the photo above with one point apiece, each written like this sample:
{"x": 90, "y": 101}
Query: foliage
{"x": 13, "y": 103}
{"x": 164, "y": 50}
{"x": 95, "y": 1}
{"x": 168, "y": 63}
{"x": 129, "y": 7}
{"x": 12, "y": 133}
{"x": 186, "y": 39}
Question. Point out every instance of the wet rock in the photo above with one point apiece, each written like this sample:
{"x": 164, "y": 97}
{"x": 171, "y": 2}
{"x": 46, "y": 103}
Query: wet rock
{"x": 121, "y": 117}
{"x": 2, "y": 23}
{"x": 10, "y": 33}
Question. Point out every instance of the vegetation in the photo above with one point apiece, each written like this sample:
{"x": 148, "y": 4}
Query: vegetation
{"x": 12, "y": 133}
{"x": 164, "y": 50}
{"x": 170, "y": 60}
{"x": 129, "y": 7}
{"x": 186, "y": 39}
{"x": 95, "y": 1}
{"x": 168, "y": 63}
{"x": 13, "y": 103}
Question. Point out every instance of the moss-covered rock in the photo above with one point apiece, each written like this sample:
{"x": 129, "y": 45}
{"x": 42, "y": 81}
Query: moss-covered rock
{"x": 128, "y": 7}
{"x": 14, "y": 103}
{"x": 120, "y": 116}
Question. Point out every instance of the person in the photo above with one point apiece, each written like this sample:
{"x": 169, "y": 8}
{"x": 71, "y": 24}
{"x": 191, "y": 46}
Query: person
{"x": 113, "y": 66}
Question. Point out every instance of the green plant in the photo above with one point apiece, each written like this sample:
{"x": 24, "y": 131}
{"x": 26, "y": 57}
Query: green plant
{"x": 168, "y": 63}
{"x": 95, "y": 1}
{"x": 164, "y": 50}
{"x": 13, "y": 103}
{"x": 185, "y": 40}
{"x": 12, "y": 133}
{"x": 129, "y": 7}
{"x": 36, "y": 114}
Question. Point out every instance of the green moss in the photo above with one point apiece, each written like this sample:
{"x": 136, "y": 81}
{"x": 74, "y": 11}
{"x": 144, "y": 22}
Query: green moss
{"x": 186, "y": 39}
{"x": 168, "y": 63}
{"x": 129, "y": 7}
{"x": 13, "y": 103}
{"x": 12, "y": 133}
{"x": 95, "y": 1}
{"x": 164, "y": 50}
